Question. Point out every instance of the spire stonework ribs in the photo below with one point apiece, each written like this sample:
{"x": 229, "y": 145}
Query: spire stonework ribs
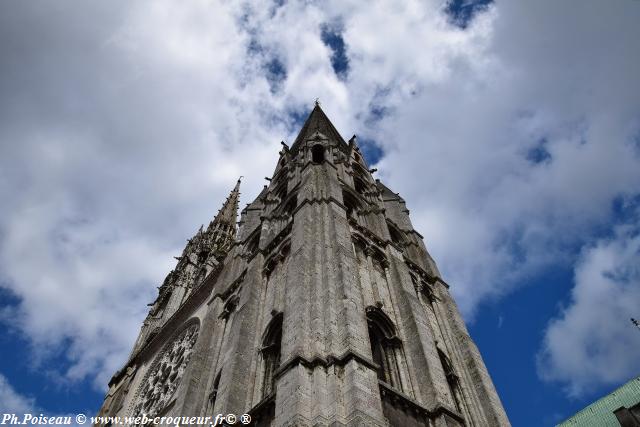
{"x": 323, "y": 308}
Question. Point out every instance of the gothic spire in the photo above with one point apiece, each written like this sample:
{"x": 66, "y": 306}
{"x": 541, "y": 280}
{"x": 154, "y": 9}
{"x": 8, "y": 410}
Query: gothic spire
{"x": 228, "y": 214}
{"x": 317, "y": 121}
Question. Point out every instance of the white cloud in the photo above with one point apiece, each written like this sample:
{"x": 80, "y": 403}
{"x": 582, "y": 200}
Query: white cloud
{"x": 21, "y": 406}
{"x": 116, "y": 144}
{"x": 466, "y": 108}
{"x": 12, "y": 402}
{"x": 118, "y": 138}
{"x": 592, "y": 341}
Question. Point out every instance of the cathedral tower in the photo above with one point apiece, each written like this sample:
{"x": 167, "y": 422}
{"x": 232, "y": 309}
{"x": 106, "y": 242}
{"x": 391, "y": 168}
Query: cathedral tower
{"x": 323, "y": 308}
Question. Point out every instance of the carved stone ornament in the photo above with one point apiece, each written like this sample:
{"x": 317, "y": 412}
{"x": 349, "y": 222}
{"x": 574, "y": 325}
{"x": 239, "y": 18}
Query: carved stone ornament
{"x": 163, "y": 379}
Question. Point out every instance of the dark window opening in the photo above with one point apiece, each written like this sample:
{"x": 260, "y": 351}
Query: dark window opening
{"x": 359, "y": 170}
{"x": 229, "y": 307}
{"x": 269, "y": 267}
{"x": 427, "y": 291}
{"x": 452, "y": 378}
{"x": 252, "y": 246}
{"x": 271, "y": 351}
{"x": 628, "y": 417}
{"x": 202, "y": 256}
{"x": 385, "y": 347}
{"x": 214, "y": 392}
{"x": 285, "y": 250}
{"x": 378, "y": 353}
{"x": 317, "y": 153}
{"x": 291, "y": 205}
{"x": 351, "y": 205}
{"x": 281, "y": 192}
{"x": 359, "y": 185}
{"x": 396, "y": 236}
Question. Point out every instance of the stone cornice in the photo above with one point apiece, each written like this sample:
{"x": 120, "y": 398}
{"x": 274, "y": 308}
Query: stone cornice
{"x": 325, "y": 362}
{"x": 417, "y": 407}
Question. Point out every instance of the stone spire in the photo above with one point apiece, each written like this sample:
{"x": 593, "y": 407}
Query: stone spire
{"x": 317, "y": 122}
{"x": 228, "y": 214}
{"x": 221, "y": 232}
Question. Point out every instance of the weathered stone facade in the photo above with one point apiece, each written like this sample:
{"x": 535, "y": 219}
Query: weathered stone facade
{"x": 323, "y": 308}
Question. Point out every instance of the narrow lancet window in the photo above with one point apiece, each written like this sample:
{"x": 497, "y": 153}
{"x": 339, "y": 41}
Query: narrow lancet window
{"x": 291, "y": 205}
{"x": 452, "y": 379}
{"x": 214, "y": 393}
{"x": 385, "y": 347}
{"x": 271, "y": 349}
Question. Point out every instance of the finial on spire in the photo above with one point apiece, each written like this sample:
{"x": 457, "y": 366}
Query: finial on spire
{"x": 317, "y": 102}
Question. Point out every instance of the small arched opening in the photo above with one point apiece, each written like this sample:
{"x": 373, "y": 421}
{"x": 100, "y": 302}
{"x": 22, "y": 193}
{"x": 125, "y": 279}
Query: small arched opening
{"x": 202, "y": 256}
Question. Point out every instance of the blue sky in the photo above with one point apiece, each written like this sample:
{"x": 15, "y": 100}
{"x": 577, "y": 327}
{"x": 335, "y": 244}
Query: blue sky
{"x": 512, "y": 129}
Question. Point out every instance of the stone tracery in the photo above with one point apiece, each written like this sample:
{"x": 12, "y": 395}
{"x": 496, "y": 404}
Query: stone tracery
{"x": 159, "y": 386}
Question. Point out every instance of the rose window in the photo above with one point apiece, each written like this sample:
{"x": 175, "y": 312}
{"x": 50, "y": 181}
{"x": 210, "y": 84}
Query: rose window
{"x": 163, "y": 379}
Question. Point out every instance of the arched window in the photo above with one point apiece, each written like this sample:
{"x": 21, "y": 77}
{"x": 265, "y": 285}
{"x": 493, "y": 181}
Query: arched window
{"x": 395, "y": 234}
{"x": 281, "y": 191}
{"x": 165, "y": 374}
{"x": 351, "y": 204}
{"x": 253, "y": 245}
{"x": 271, "y": 349}
{"x": 317, "y": 153}
{"x": 229, "y": 307}
{"x": 359, "y": 185}
{"x": 452, "y": 379}
{"x": 385, "y": 347}
{"x": 291, "y": 205}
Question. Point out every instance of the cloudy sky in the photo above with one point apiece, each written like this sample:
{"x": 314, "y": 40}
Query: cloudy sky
{"x": 511, "y": 128}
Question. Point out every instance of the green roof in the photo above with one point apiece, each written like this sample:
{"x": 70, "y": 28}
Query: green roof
{"x": 600, "y": 412}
